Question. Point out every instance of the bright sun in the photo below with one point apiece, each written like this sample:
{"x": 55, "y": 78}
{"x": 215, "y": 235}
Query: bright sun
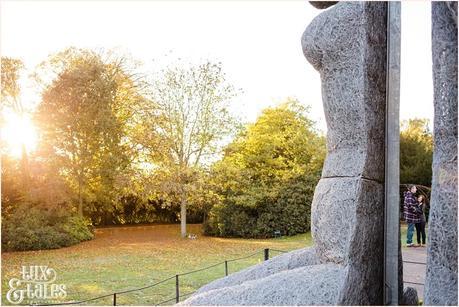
{"x": 16, "y": 131}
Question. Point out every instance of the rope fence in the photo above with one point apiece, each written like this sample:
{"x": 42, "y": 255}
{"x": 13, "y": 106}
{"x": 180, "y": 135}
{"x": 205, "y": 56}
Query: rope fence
{"x": 176, "y": 298}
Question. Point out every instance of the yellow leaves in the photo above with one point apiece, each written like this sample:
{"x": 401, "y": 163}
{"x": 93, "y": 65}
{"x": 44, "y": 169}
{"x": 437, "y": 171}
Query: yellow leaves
{"x": 10, "y": 69}
{"x": 278, "y": 146}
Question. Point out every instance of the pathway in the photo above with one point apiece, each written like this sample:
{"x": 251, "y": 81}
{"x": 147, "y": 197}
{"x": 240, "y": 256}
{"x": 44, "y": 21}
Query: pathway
{"x": 414, "y": 268}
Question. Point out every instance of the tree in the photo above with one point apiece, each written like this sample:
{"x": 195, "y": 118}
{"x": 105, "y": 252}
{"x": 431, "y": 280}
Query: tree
{"x": 10, "y": 87}
{"x": 267, "y": 176}
{"x": 10, "y": 99}
{"x": 416, "y": 150}
{"x": 84, "y": 118}
{"x": 188, "y": 119}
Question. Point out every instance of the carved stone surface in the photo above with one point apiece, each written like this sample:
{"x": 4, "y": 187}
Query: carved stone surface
{"x": 343, "y": 204}
{"x": 353, "y": 87}
{"x": 410, "y": 297}
{"x": 322, "y": 4}
{"x": 307, "y": 285}
{"x": 287, "y": 261}
{"x": 347, "y": 45}
{"x": 441, "y": 277}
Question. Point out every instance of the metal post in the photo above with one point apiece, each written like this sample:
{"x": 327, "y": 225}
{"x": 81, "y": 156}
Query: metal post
{"x": 392, "y": 157}
{"x": 177, "y": 292}
{"x": 266, "y": 254}
{"x": 226, "y": 268}
{"x": 114, "y": 299}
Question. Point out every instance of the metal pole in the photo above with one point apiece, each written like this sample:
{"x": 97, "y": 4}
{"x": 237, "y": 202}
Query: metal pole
{"x": 114, "y": 299}
{"x": 177, "y": 292}
{"x": 392, "y": 157}
{"x": 226, "y": 268}
{"x": 266, "y": 254}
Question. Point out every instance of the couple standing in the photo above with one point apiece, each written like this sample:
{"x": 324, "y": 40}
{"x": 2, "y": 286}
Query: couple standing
{"x": 413, "y": 210}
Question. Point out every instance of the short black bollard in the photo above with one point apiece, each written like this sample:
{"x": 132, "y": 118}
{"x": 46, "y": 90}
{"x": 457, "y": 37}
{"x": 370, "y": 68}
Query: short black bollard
{"x": 226, "y": 268}
{"x": 177, "y": 292}
{"x": 114, "y": 299}
{"x": 266, "y": 254}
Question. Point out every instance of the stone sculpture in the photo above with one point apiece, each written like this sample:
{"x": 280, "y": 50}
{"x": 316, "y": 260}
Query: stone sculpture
{"x": 347, "y": 45}
{"x": 410, "y": 297}
{"x": 441, "y": 279}
{"x": 322, "y": 4}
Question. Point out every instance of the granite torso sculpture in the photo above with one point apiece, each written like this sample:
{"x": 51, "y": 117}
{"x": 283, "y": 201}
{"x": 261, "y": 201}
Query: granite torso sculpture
{"x": 347, "y": 45}
{"x": 441, "y": 279}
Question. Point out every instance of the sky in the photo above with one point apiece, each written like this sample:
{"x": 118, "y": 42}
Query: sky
{"x": 258, "y": 43}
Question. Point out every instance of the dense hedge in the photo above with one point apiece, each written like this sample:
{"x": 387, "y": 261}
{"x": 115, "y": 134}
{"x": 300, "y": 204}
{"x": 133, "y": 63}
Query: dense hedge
{"x": 34, "y": 226}
{"x": 288, "y": 211}
{"x": 266, "y": 179}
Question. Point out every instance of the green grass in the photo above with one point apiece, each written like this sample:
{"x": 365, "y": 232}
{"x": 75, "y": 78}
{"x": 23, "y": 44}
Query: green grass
{"x": 403, "y": 229}
{"x": 125, "y": 258}
{"x": 130, "y": 257}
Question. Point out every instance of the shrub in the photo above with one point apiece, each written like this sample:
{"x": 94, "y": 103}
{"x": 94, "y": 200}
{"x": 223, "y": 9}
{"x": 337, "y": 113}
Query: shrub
{"x": 266, "y": 178}
{"x": 33, "y": 226}
{"x": 287, "y": 211}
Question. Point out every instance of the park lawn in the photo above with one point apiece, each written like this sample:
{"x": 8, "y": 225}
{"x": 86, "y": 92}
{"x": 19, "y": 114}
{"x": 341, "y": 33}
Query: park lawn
{"x": 122, "y": 258}
{"x": 403, "y": 229}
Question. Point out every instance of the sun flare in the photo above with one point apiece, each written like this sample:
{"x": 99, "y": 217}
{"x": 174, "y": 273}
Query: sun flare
{"x": 16, "y": 132}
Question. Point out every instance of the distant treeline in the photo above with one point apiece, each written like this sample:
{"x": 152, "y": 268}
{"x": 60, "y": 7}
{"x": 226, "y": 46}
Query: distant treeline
{"x": 117, "y": 146}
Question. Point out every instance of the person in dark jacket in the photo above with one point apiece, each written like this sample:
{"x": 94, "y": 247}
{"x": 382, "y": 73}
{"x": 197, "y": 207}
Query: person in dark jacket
{"x": 421, "y": 226}
{"x": 411, "y": 214}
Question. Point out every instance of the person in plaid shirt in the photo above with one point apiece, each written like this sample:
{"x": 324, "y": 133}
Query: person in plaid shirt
{"x": 411, "y": 214}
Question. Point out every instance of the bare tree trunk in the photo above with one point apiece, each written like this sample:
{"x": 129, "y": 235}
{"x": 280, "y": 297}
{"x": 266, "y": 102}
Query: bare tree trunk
{"x": 25, "y": 170}
{"x": 183, "y": 216}
{"x": 181, "y": 176}
{"x": 80, "y": 199}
